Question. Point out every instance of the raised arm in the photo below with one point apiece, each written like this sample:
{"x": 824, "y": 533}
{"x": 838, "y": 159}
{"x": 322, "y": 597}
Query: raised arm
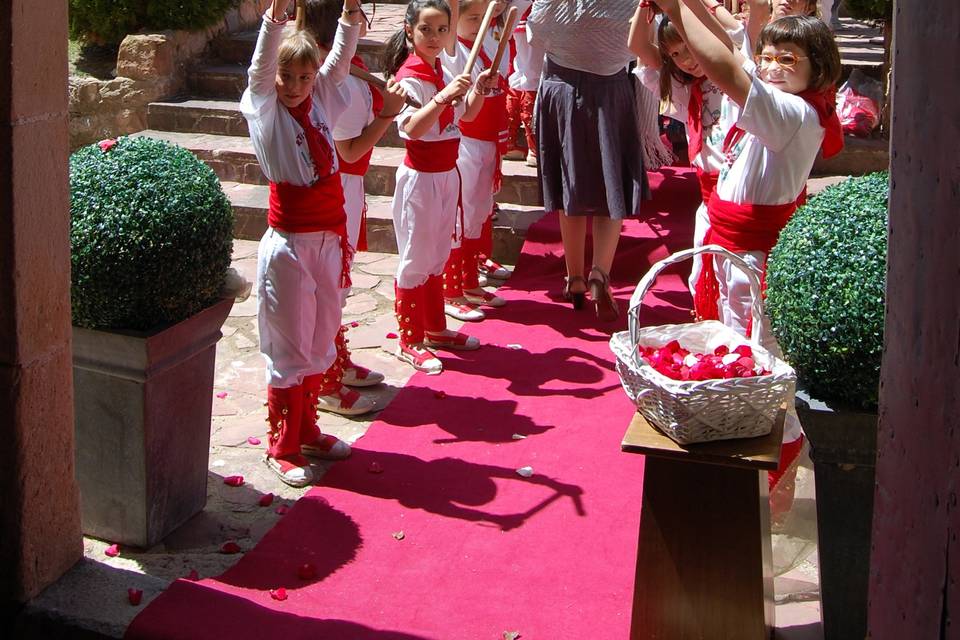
{"x": 336, "y": 67}
{"x": 718, "y": 61}
{"x": 263, "y": 66}
{"x": 451, "y": 46}
{"x": 759, "y": 17}
{"x": 709, "y": 17}
{"x": 642, "y": 39}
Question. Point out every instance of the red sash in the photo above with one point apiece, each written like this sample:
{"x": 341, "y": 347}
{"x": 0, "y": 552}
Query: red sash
{"x": 738, "y": 228}
{"x": 297, "y": 209}
{"x": 432, "y": 157}
{"x": 415, "y": 67}
{"x": 492, "y": 123}
{"x": 708, "y": 182}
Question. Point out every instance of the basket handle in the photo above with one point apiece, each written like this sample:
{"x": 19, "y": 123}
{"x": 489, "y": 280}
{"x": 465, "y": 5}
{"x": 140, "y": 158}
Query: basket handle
{"x": 643, "y": 287}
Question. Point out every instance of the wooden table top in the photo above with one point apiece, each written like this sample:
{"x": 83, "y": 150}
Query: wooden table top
{"x": 762, "y": 453}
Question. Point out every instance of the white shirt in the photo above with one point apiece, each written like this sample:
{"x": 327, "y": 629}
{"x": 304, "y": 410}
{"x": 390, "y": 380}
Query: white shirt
{"x": 710, "y": 158}
{"x": 278, "y": 139}
{"x": 528, "y": 63}
{"x": 771, "y": 163}
{"x": 424, "y": 91}
{"x": 360, "y": 114}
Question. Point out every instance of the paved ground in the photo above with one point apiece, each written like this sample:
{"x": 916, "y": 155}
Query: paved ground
{"x": 94, "y": 595}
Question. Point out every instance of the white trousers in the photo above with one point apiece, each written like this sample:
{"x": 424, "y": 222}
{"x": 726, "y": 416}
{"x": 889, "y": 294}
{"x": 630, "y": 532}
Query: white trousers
{"x": 735, "y": 300}
{"x": 298, "y": 311}
{"x": 477, "y": 163}
{"x": 424, "y": 219}
{"x": 354, "y": 199}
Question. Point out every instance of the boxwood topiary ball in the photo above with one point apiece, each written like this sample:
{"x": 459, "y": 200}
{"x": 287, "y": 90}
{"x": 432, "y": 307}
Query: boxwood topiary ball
{"x": 826, "y": 280}
{"x": 150, "y": 233}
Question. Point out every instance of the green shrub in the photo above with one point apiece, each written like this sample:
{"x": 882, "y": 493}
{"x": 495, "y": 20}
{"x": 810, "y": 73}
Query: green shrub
{"x": 150, "y": 234}
{"x": 108, "y": 21}
{"x": 826, "y": 290}
{"x": 870, "y": 9}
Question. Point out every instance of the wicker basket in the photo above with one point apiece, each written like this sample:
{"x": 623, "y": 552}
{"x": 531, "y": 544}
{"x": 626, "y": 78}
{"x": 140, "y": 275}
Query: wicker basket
{"x": 702, "y": 411}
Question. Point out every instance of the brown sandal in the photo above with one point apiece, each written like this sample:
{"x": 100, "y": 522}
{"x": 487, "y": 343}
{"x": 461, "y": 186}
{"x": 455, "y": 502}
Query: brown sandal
{"x": 607, "y": 309}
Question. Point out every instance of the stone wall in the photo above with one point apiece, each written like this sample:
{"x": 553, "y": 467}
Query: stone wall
{"x": 150, "y": 66}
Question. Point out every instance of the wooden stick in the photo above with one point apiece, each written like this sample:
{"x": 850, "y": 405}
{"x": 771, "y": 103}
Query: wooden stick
{"x": 504, "y": 38}
{"x": 478, "y": 43}
{"x": 381, "y": 85}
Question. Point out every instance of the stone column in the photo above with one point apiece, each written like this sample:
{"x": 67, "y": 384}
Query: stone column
{"x": 915, "y": 562}
{"x": 39, "y": 502}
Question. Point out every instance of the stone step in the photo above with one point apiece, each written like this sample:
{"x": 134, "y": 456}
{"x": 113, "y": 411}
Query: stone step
{"x": 859, "y": 157}
{"x": 232, "y": 158}
{"x": 218, "y": 117}
{"x": 238, "y": 48}
{"x": 250, "y": 210}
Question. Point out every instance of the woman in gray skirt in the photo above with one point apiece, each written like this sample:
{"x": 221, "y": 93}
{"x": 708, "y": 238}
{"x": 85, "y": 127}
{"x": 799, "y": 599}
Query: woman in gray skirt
{"x": 590, "y": 156}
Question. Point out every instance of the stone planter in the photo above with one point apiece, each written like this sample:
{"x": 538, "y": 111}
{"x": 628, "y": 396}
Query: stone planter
{"x": 843, "y": 447}
{"x": 143, "y": 404}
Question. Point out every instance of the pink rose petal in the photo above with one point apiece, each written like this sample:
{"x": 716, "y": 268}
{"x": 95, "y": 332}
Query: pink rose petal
{"x": 222, "y": 395}
{"x": 307, "y": 572}
{"x": 391, "y": 336}
{"x": 254, "y": 441}
{"x": 134, "y": 596}
{"x": 233, "y": 481}
{"x": 230, "y": 547}
{"x": 112, "y": 551}
{"x": 282, "y": 509}
{"x": 265, "y": 500}
{"x": 193, "y": 576}
{"x": 354, "y": 324}
{"x": 375, "y": 467}
{"x": 106, "y": 145}
{"x": 278, "y": 594}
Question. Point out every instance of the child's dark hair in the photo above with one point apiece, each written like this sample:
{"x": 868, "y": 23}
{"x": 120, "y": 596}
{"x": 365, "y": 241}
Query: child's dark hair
{"x": 321, "y": 19}
{"x": 667, "y": 34}
{"x": 815, "y": 38}
{"x": 396, "y": 50}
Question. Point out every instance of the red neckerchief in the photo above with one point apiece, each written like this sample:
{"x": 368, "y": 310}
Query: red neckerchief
{"x": 415, "y": 67}
{"x": 695, "y": 118}
{"x": 320, "y": 150}
{"x": 825, "y": 104}
{"x": 377, "y": 96}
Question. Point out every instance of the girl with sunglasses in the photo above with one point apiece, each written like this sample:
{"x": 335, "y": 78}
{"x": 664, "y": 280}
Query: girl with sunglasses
{"x": 780, "y": 115}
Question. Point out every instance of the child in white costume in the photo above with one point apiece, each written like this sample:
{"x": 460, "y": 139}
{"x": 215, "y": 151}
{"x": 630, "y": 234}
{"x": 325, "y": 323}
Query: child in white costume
{"x": 481, "y": 143}
{"x": 524, "y": 81}
{"x": 303, "y": 258}
{"x": 666, "y": 68}
{"x": 355, "y": 134}
{"x": 780, "y": 116}
{"x": 425, "y": 204}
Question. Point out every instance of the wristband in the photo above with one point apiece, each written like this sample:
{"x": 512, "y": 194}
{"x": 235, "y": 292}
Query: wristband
{"x": 442, "y": 103}
{"x": 714, "y": 8}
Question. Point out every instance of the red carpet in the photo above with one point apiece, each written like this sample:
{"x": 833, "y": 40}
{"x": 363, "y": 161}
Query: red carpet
{"x": 484, "y": 550}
